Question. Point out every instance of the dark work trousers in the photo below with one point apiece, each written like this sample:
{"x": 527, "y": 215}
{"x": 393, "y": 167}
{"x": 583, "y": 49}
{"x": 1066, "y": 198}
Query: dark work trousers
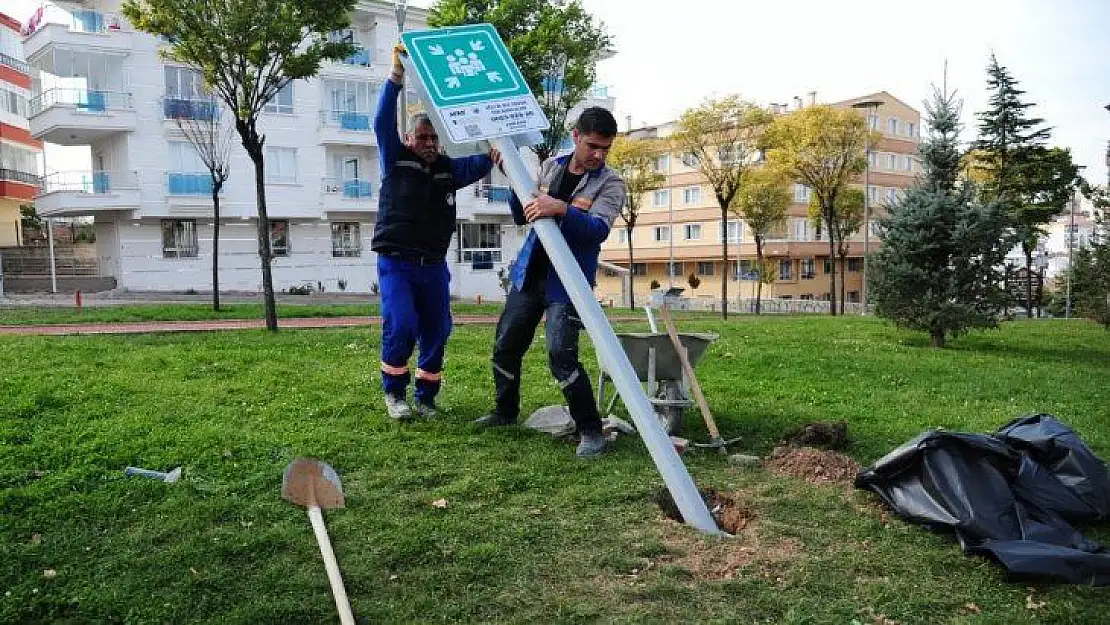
{"x": 515, "y": 330}
{"x": 416, "y": 307}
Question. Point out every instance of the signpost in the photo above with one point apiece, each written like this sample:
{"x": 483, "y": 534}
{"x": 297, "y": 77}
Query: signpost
{"x": 475, "y": 92}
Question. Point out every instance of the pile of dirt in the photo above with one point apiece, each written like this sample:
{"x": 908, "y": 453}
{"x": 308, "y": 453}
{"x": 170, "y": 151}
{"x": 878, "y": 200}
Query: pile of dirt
{"x": 823, "y": 434}
{"x": 815, "y": 466}
{"x": 728, "y": 509}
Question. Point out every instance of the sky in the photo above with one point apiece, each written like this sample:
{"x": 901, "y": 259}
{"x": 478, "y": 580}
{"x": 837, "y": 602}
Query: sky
{"x": 671, "y": 55}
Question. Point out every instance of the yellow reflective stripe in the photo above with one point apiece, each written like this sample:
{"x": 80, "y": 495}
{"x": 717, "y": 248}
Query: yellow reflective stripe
{"x": 391, "y": 370}
{"x": 428, "y": 375}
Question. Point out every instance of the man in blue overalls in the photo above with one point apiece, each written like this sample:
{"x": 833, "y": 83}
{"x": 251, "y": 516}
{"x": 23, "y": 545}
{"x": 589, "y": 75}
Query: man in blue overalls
{"x": 584, "y": 197}
{"x": 416, "y": 218}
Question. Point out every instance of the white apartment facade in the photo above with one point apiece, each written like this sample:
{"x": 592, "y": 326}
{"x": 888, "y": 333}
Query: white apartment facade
{"x": 100, "y": 83}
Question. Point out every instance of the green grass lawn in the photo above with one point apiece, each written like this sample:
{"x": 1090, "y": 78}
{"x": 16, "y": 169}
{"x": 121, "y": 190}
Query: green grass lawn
{"x": 529, "y": 533}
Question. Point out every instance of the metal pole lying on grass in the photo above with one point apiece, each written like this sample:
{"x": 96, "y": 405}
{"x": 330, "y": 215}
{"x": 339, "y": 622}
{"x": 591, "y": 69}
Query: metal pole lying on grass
{"x": 612, "y": 356}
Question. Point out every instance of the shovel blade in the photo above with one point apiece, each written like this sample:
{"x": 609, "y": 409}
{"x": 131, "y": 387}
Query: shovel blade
{"x": 310, "y": 482}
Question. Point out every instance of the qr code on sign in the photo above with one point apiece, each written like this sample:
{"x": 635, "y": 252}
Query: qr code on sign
{"x": 472, "y": 130}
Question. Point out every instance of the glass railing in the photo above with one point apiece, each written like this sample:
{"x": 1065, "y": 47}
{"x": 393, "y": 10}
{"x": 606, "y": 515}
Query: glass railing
{"x": 350, "y": 188}
{"x": 361, "y": 57}
{"x": 84, "y": 100}
{"x": 494, "y": 193}
{"x": 14, "y": 175}
{"x": 188, "y": 183}
{"x": 346, "y": 120}
{"x": 96, "y": 182}
{"x": 179, "y": 108}
{"x": 14, "y": 63}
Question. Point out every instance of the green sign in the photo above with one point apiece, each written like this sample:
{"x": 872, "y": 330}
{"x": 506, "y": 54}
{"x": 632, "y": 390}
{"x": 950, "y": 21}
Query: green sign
{"x": 464, "y": 65}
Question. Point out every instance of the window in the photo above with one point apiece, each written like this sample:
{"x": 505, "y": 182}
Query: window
{"x": 786, "y": 269}
{"x": 853, "y": 297}
{"x": 676, "y": 269}
{"x": 873, "y": 159}
{"x": 691, "y": 195}
{"x": 661, "y": 198}
{"x": 745, "y": 270}
{"x": 183, "y": 83}
{"x": 179, "y": 238}
{"x": 704, "y": 268}
{"x": 873, "y": 122}
{"x": 891, "y": 195}
{"x": 727, "y": 153}
{"x": 345, "y": 239}
{"x": 690, "y": 159}
{"x": 855, "y": 265}
{"x": 639, "y": 269}
{"x": 693, "y": 232}
{"x": 184, "y": 158}
{"x": 801, "y": 193}
{"x": 892, "y": 161}
{"x": 281, "y": 165}
{"x": 279, "y": 237}
{"x": 807, "y": 269}
{"x": 907, "y": 163}
{"x": 892, "y": 125}
{"x": 661, "y": 234}
{"x": 624, "y": 236}
{"x": 872, "y": 194}
{"x": 12, "y": 102}
{"x": 828, "y": 266}
{"x": 662, "y": 163}
{"x": 734, "y": 230}
{"x": 910, "y": 129}
{"x": 282, "y": 101}
{"x": 350, "y": 96}
{"x": 19, "y": 159}
{"x": 480, "y": 244}
{"x": 805, "y": 297}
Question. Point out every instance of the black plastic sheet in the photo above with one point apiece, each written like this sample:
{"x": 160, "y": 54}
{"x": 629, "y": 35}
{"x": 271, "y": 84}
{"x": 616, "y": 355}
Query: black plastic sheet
{"x": 1012, "y": 495}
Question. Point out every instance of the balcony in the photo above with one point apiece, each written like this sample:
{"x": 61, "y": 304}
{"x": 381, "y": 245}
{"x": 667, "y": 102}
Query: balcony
{"x": 15, "y": 64}
{"x": 88, "y": 30}
{"x": 488, "y": 200}
{"x": 348, "y": 195}
{"x": 354, "y": 66}
{"x": 184, "y": 109}
{"x": 19, "y": 185}
{"x": 346, "y": 127}
{"x": 80, "y": 116}
{"x": 82, "y": 193}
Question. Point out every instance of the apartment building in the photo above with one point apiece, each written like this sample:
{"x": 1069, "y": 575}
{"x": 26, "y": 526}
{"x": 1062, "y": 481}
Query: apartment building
{"x": 682, "y": 221}
{"x": 20, "y": 153}
{"x": 101, "y": 84}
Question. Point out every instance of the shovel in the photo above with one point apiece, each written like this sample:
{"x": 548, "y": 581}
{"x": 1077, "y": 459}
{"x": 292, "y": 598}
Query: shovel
{"x": 315, "y": 485}
{"x": 715, "y": 441}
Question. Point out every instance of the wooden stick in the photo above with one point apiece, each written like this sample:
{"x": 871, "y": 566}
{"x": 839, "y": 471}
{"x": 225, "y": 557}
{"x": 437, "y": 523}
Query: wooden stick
{"x": 337, "y": 589}
{"x": 709, "y": 422}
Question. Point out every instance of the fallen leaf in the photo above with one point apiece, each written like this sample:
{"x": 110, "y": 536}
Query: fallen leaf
{"x": 392, "y": 578}
{"x": 193, "y": 571}
{"x": 49, "y": 573}
{"x": 36, "y": 539}
{"x": 971, "y": 608}
{"x": 246, "y": 523}
{"x": 439, "y": 503}
{"x": 1033, "y": 605}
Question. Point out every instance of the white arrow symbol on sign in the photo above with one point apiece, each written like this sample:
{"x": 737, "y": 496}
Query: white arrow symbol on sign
{"x": 452, "y": 81}
{"x": 493, "y": 76}
{"x": 436, "y": 49}
{"x": 477, "y": 46}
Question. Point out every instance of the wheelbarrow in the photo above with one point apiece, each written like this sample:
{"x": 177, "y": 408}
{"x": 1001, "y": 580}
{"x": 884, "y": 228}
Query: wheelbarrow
{"x": 658, "y": 365}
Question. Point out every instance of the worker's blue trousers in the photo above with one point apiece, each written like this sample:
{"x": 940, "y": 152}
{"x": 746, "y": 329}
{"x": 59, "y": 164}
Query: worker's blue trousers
{"x": 416, "y": 307}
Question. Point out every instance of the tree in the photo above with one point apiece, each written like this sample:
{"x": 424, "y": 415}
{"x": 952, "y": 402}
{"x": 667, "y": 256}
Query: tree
{"x": 762, "y": 202}
{"x": 1033, "y": 183}
{"x": 247, "y": 52}
{"x": 635, "y": 159}
{"x": 938, "y": 270}
{"x": 721, "y": 139}
{"x": 1090, "y": 279}
{"x": 849, "y": 219}
{"x": 823, "y": 148}
{"x": 556, "y": 44}
{"x": 33, "y": 227}
{"x": 212, "y": 142}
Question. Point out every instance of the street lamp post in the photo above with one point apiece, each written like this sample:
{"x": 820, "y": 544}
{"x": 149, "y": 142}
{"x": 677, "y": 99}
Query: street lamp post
{"x": 399, "y": 7}
{"x": 870, "y": 106}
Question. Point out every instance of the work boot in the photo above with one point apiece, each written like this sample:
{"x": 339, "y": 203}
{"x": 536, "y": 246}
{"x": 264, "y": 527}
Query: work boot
{"x": 494, "y": 420}
{"x": 425, "y": 410}
{"x": 591, "y": 445}
{"x": 397, "y": 407}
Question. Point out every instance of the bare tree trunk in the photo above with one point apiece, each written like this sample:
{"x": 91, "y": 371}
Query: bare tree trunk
{"x": 724, "y": 261}
{"x": 254, "y": 150}
{"x": 832, "y": 259}
{"x": 1028, "y": 281}
{"x": 843, "y": 279}
{"x": 631, "y": 273}
{"x": 760, "y": 268}
{"x": 216, "y": 248}
{"x": 937, "y": 338}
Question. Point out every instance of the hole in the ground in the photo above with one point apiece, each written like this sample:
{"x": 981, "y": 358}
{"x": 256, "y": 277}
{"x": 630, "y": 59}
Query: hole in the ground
{"x": 727, "y": 509}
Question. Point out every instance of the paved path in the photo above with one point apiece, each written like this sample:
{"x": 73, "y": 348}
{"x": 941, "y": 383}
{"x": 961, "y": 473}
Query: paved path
{"x": 141, "y": 327}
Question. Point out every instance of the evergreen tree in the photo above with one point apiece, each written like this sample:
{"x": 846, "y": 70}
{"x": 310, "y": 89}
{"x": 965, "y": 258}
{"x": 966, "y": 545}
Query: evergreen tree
{"x": 939, "y": 267}
{"x": 1031, "y": 183}
{"x": 1090, "y": 280}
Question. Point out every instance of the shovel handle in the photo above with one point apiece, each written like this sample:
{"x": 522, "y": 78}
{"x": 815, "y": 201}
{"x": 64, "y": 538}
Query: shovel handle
{"x": 337, "y": 589}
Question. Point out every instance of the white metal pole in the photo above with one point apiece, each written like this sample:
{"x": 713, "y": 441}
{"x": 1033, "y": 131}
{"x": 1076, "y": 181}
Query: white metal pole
{"x": 1071, "y": 244}
{"x": 613, "y": 358}
{"x": 670, "y": 240}
{"x": 867, "y": 212}
{"x": 399, "y": 7}
{"x": 53, "y": 271}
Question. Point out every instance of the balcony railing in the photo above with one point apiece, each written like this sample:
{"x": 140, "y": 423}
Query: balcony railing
{"x": 480, "y": 259}
{"x": 180, "y": 108}
{"x": 85, "y": 100}
{"x": 89, "y": 21}
{"x": 189, "y": 183}
{"x": 350, "y": 188}
{"x": 96, "y": 182}
{"x": 14, "y": 63}
{"x": 14, "y": 175}
{"x": 361, "y": 58}
{"x": 494, "y": 193}
{"x": 346, "y": 120}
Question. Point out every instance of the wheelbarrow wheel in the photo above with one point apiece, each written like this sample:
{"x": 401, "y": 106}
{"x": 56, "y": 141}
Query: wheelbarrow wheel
{"x": 670, "y": 416}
